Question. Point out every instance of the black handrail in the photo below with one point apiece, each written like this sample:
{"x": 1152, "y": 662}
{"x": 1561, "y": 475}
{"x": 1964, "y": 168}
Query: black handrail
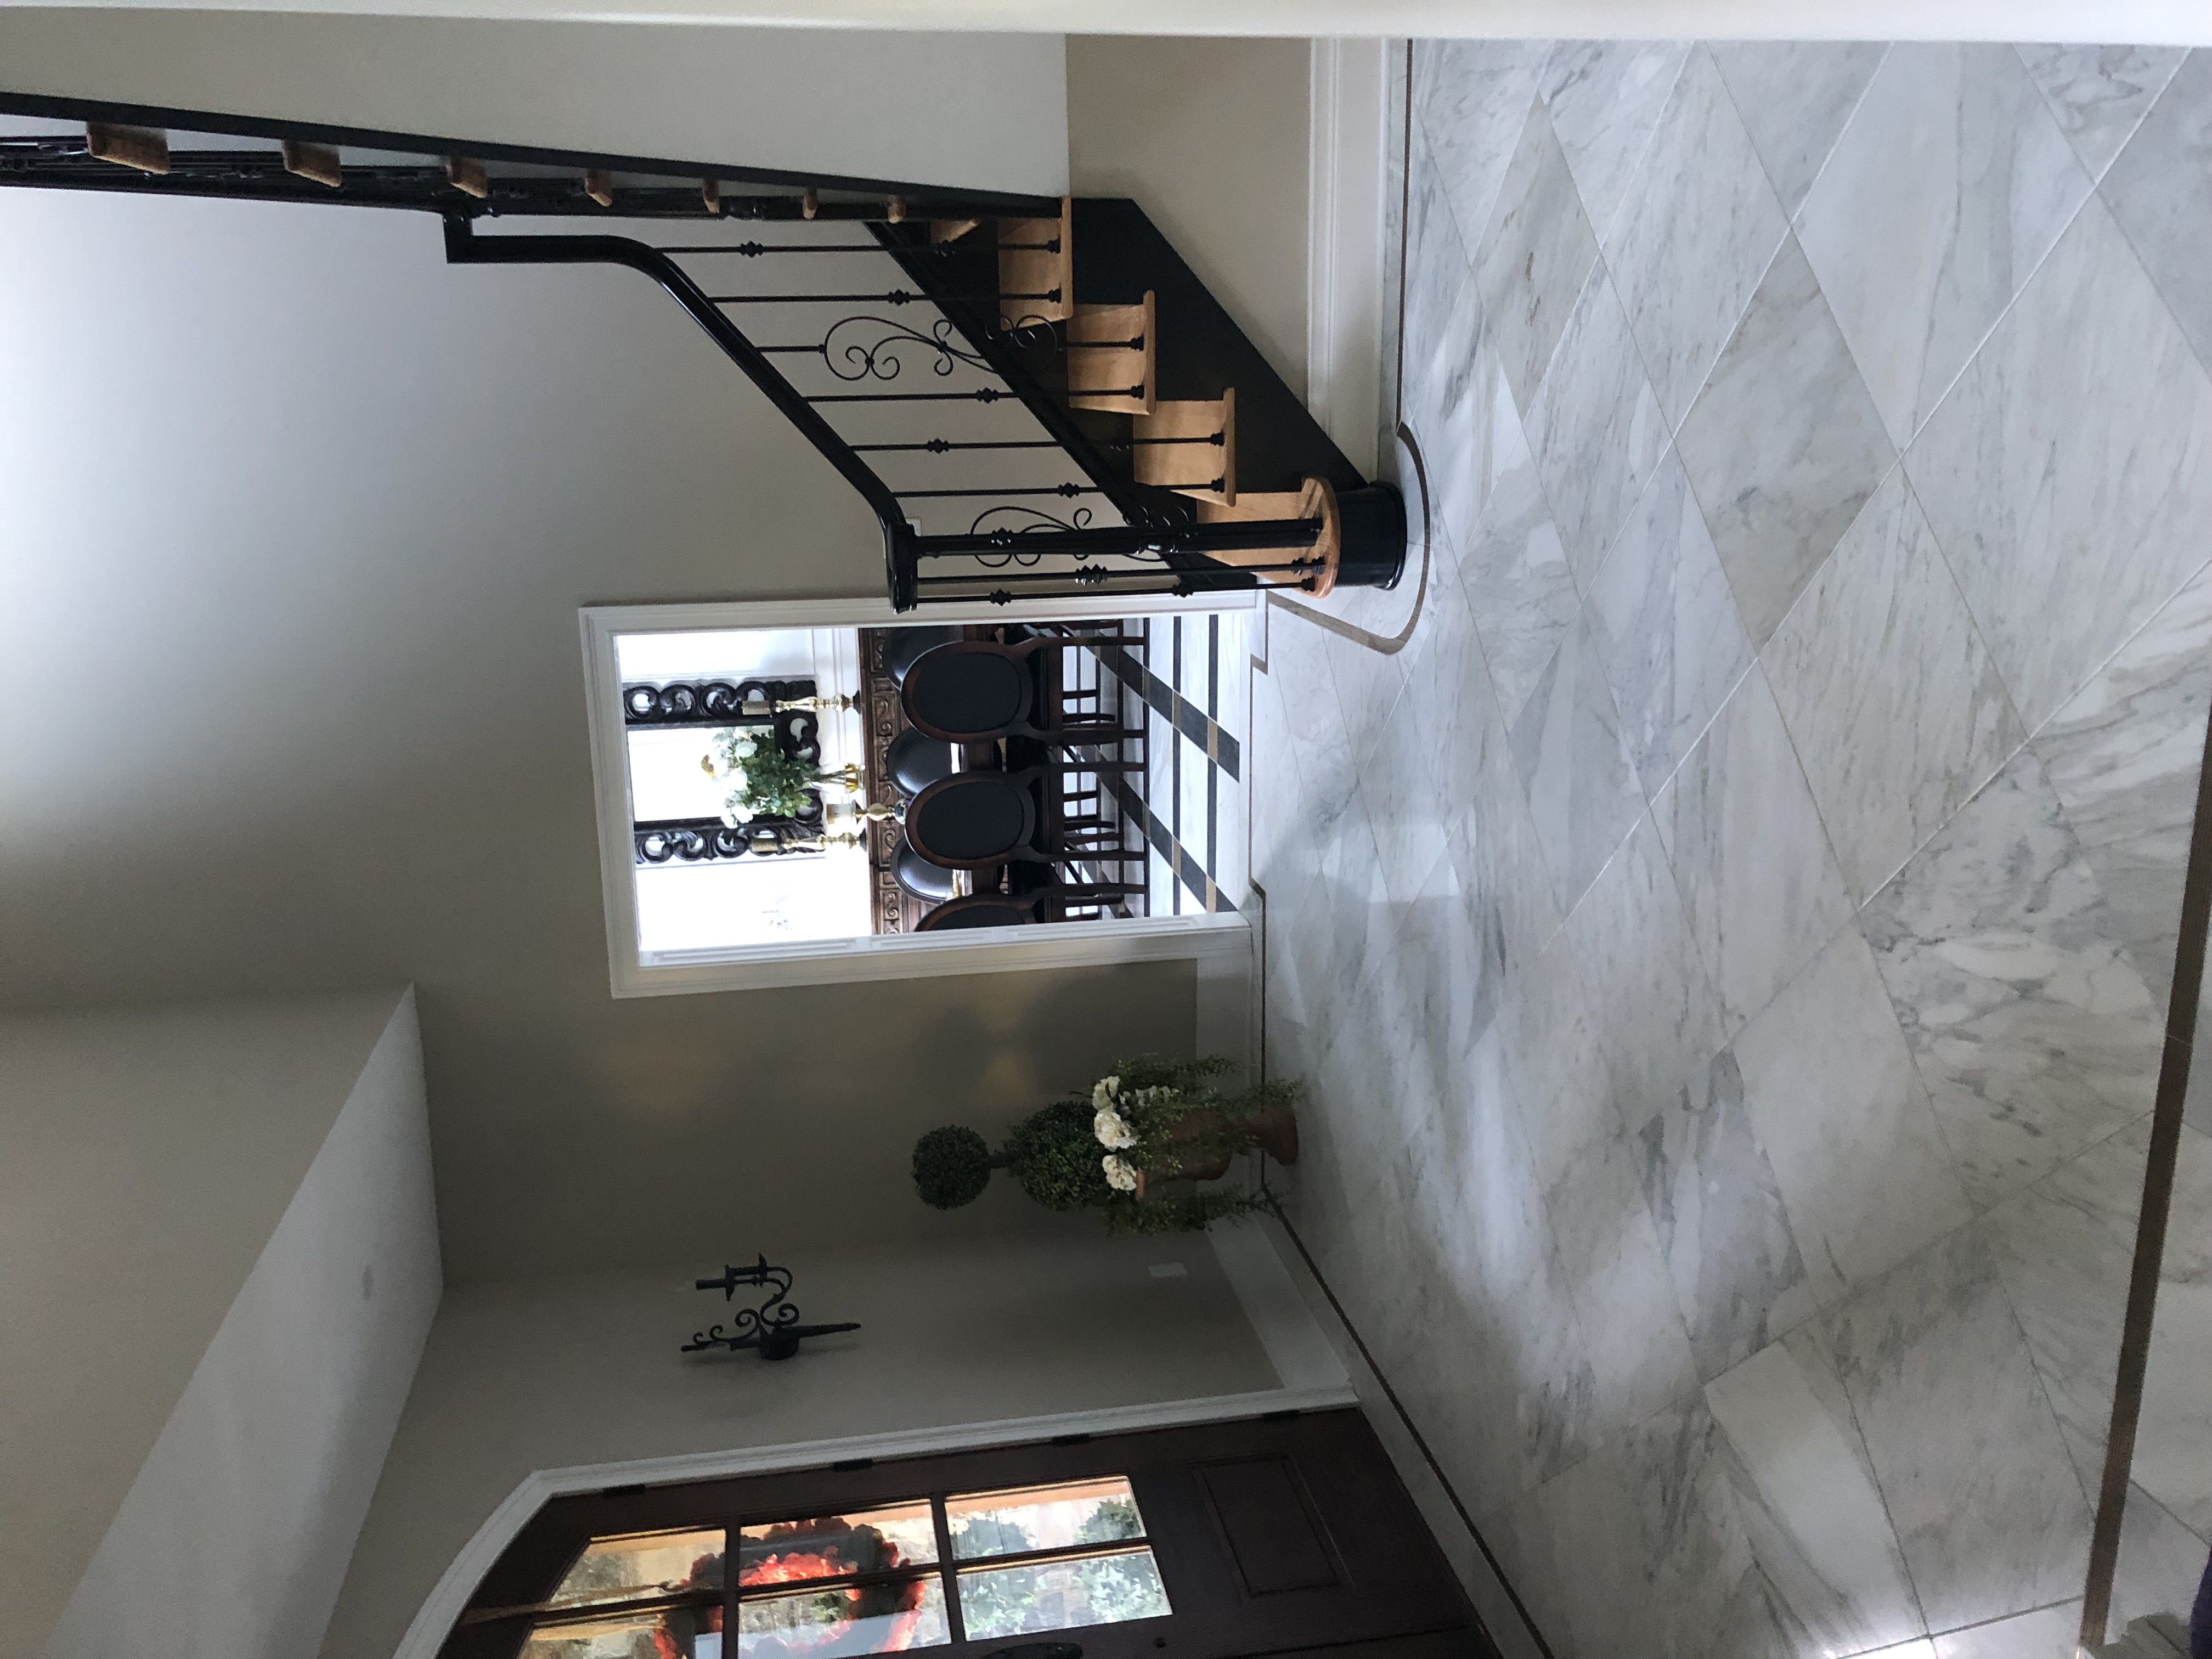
{"x": 923, "y": 200}
{"x": 465, "y": 247}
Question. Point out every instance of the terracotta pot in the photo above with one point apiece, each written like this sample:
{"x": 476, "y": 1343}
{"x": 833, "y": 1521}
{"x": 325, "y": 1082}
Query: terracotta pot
{"x": 1275, "y": 1131}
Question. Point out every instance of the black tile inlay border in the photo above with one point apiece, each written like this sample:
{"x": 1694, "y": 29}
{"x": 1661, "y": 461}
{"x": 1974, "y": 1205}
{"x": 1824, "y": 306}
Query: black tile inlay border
{"x": 1184, "y": 716}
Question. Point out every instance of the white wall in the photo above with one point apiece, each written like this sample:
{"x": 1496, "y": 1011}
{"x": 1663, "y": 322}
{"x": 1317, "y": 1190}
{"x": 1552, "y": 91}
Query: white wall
{"x": 547, "y": 1373}
{"x": 235, "y": 1535}
{"x": 150, "y": 1154}
{"x": 1209, "y": 137}
{"x": 985, "y": 111}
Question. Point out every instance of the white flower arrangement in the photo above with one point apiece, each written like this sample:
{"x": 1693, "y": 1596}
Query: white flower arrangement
{"x": 1113, "y": 1130}
{"x": 1120, "y": 1176}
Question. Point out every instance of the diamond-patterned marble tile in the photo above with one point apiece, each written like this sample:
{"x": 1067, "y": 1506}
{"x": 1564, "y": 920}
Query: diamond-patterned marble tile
{"x": 1939, "y": 199}
{"x": 1783, "y": 446}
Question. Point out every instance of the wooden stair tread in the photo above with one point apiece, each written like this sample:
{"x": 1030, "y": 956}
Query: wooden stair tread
{"x": 1183, "y": 467}
{"x": 1104, "y": 371}
{"x": 1315, "y": 500}
{"x": 144, "y": 149}
{"x": 1037, "y": 269}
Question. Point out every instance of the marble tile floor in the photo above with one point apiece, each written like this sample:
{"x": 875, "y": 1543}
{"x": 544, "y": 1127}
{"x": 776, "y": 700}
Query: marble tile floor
{"x": 1728, "y": 946}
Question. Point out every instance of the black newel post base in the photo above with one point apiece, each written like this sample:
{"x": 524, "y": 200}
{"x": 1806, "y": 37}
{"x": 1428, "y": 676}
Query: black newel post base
{"x": 1373, "y": 518}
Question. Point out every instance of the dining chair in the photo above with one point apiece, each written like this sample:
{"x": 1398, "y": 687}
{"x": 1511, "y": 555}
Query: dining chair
{"x": 919, "y": 877}
{"x": 905, "y": 644}
{"x": 975, "y": 690}
{"x": 915, "y": 760}
{"x": 977, "y": 820}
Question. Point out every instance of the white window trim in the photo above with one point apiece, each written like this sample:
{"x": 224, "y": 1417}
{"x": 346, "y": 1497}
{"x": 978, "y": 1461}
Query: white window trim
{"x": 869, "y": 956}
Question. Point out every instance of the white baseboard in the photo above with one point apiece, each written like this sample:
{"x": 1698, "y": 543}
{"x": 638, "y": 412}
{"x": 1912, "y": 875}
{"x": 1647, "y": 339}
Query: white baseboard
{"x": 1452, "y": 1529}
{"x": 1345, "y": 172}
{"x": 1225, "y": 995}
{"x": 1297, "y": 1347}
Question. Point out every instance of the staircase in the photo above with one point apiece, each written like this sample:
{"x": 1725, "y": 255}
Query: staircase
{"x": 1090, "y": 410}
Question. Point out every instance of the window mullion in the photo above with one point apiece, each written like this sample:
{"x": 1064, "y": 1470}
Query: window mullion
{"x": 955, "y": 1624}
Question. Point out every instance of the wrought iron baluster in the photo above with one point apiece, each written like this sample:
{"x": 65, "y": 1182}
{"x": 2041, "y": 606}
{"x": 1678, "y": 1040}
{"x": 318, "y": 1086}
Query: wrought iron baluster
{"x": 897, "y": 296}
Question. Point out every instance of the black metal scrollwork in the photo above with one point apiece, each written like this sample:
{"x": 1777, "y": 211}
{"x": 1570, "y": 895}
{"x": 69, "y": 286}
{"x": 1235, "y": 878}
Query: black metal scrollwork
{"x": 694, "y": 840}
{"x": 880, "y": 359}
{"x": 798, "y": 731}
{"x": 707, "y": 703}
{"x": 773, "y": 1328}
{"x": 1009, "y": 536}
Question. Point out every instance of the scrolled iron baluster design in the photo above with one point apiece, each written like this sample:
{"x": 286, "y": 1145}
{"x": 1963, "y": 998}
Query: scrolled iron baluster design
{"x": 879, "y": 361}
{"x": 1029, "y": 330}
{"x": 1009, "y": 536}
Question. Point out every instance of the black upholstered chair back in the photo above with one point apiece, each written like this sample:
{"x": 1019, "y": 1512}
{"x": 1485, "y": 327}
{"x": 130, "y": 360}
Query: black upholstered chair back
{"x": 972, "y": 819}
{"x": 919, "y": 877}
{"x": 906, "y": 644}
{"x": 969, "y": 689}
{"x": 915, "y": 760}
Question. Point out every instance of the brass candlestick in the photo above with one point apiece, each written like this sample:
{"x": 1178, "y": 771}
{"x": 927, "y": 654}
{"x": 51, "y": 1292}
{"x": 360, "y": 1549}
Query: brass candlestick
{"x": 839, "y": 704}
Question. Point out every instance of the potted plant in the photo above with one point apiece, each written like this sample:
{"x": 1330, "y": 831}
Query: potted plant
{"x": 765, "y": 782}
{"x": 1132, "y": 1149}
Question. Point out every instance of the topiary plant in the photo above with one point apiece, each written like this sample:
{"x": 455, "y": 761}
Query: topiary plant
{"x": 1131, "y": 1151}
{"x": 1055, "y": 1158}
{"x": 951, "y": 1167}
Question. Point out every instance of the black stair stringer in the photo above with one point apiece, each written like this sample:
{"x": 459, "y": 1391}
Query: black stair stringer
{"x": 1120, "y": 253}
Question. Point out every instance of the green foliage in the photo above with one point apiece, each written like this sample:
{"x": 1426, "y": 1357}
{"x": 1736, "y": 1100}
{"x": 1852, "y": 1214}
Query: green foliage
{"x": 1187, "y": 1212}
{"x": 1113, "y": 1518}
{"x": 986, "y": 1534}
{"x": 1183, "y": 1076}
{"x": 1099, "y": 1591}
{"x": 951, "y": 1167}
{"x": 1056, "y": 1158}
{"x": 774, "y": 784}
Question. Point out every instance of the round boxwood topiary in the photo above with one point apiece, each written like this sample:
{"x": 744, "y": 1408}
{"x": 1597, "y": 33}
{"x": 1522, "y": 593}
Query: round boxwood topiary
{"x": 951, "y": 1167}
{"x": 1055, "y": 1154}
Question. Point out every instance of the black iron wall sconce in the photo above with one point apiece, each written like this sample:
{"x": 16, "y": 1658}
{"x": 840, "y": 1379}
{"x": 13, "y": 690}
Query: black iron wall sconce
{"x": 773, "y": 1328}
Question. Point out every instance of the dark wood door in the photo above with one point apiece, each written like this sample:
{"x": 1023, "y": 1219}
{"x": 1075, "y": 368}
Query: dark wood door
{"x": 1224, "y": 1541}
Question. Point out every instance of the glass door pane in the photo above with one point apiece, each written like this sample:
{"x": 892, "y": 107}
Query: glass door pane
{"x": 821, "y": 1623}
{"x": 1062, "y": 1594}
{"x": 1043, "y": 1517}
{"x": 643, "y": 1563}
{"x": 837, "y": 1545}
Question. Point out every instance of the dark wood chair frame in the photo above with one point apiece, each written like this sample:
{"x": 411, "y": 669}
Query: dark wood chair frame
{"x": 1043, "y": 904}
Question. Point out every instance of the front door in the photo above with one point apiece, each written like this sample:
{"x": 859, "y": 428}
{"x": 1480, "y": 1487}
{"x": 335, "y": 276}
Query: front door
{"x": 1224, "y": 1541}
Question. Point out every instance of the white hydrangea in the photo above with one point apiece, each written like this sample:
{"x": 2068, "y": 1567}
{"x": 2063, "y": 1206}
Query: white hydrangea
{"x": 1103, "y": 1093}
{"x": 1113, "y": 1130}
{"x": 731, "y": 749}
{"x": 1118, "y": 1174}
